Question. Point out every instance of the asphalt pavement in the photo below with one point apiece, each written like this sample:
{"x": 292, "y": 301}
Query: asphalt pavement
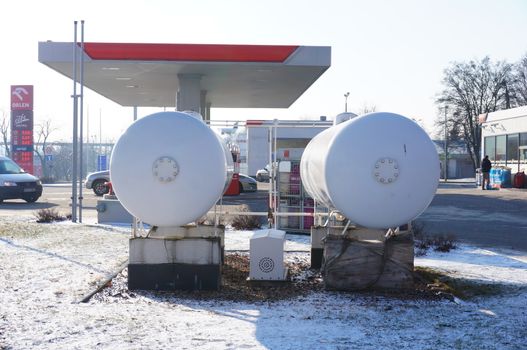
{"x": 490, "y": 218}
{"x": 57, "y": 196}
{"x": 496, "y": 218}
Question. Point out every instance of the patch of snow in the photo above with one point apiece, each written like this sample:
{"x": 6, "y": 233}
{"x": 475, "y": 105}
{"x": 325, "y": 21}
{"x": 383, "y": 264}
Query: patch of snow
{"x": 45, "y": 269}
{"x": 479, "y": 264}
{"x": 239, "y": 240}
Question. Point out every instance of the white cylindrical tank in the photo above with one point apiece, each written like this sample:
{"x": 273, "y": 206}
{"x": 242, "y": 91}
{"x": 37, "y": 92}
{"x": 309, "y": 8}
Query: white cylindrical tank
{"x": 381, "y": 170}
{"x": 169, "y": 168}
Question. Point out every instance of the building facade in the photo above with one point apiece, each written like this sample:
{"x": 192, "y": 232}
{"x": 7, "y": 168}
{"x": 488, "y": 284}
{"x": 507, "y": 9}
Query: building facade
{"x": 504, "y": 138}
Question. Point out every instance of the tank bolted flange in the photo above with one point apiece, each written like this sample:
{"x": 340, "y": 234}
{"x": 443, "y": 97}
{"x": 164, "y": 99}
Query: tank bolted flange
{"x": 386, "y": 170}
{"x": 165, "y": 169}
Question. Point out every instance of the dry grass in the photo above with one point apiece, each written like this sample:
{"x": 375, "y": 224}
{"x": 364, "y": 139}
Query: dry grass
{"x": 423, "y": 241}
{"x": 439, "y": 282}
{"x": 245, "y": 222}
{"x": 49, "y": 215}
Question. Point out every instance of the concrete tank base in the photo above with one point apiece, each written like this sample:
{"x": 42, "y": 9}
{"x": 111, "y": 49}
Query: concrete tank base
{"x": 172, "y": 262}
{"x": 357, "y": 264}
{"x": 169, "y": 277}
{"x": 319, "y": 233}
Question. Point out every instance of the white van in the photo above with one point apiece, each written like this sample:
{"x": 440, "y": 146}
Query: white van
{"x": 15, "y": 183}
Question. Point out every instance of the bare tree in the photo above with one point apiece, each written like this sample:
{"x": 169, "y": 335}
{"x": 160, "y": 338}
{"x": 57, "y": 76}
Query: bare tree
{"x": 366, "y": 109}
{"x": 5, "y": 131}
{"x": 62, "y": 162}
{"x": 454, "y": 128}
{"x": 520, "y": 82}
{"x": 42, "y": 132}
{"x": 471, "y": 89}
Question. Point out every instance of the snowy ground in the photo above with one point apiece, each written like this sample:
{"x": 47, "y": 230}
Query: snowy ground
{"x": 45, "y": 269}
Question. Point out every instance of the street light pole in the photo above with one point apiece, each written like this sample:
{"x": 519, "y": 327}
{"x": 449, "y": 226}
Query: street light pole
{"x": 445, "y": 168}
{"x": 81, "y": 121}
{"x": 74, "y": 181}
{"x": 346, "y": 95}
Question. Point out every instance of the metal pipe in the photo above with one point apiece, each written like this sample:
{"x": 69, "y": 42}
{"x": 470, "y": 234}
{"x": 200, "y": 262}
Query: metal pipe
{"x": 269, "y": 133}
{"x": 275, "y": 175}
{"x": 88, "y": 139}
{"x": 346, "y": 227}
{"x": 81, "y": 127}
{"x": 300, "y": 124}
{"x": 134, "y": 222}
{"x": 263, "y": 213}
{"x": 331, "y": 213}
{"x": 74, "y": 141}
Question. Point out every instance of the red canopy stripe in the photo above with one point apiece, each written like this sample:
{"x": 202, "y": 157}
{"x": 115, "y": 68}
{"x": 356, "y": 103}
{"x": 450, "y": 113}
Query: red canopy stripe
{"x": 188, "y": 52}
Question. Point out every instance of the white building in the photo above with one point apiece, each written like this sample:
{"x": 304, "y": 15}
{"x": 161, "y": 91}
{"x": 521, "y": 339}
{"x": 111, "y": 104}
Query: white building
{"x": 291, "y": 135}
{"x": 504, "y": 138}
{"x": 460, "y": 164}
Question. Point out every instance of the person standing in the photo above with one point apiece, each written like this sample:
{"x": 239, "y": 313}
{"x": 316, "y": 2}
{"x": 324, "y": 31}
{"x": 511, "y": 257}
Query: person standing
{"x": 486, "y": 165}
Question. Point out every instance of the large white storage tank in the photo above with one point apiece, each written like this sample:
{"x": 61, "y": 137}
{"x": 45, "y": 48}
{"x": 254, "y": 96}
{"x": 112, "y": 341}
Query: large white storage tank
{"x": 169, "y": 168}
{"x": 381, "y": 170}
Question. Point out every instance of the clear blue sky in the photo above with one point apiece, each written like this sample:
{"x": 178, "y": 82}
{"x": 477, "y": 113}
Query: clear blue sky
{"x": 390, "y": 54}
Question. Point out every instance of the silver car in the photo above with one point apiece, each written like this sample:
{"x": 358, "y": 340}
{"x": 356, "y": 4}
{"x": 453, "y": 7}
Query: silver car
{"x": 97, "y": 182}
{"x": 263, "y": 174}
{"x": 247, "y": 183}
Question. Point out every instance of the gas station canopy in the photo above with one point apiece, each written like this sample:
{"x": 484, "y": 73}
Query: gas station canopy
{"x": 232, "y": 76}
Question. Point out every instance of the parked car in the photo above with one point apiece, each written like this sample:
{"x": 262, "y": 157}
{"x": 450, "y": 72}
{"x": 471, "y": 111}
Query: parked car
{"x": 247, "y": 183}
{"x": 96, "y": 181}
{"x": 15, "y": 183}
{"x": 262, "y": 175}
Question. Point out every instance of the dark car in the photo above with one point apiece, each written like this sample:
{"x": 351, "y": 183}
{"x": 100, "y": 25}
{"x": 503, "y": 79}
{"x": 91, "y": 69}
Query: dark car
{"x": 15, "y": 183}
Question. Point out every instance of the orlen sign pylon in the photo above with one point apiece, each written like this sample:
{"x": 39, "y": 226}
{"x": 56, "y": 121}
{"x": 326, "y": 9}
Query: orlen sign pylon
{"x": 22, "y": 126}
